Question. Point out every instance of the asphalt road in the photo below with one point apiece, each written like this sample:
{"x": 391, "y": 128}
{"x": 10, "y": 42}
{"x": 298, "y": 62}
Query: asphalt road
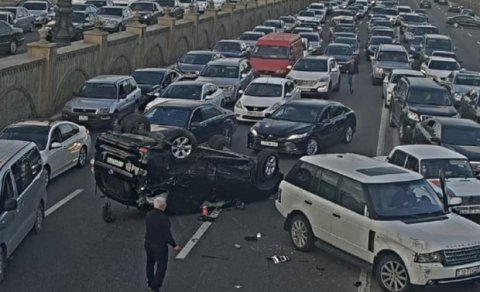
{"x": 77, "y": 251}
{"x": 29, "y": 38}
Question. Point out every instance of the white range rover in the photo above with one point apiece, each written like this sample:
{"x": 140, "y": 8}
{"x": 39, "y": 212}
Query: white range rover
{"x": 383, "y": 214}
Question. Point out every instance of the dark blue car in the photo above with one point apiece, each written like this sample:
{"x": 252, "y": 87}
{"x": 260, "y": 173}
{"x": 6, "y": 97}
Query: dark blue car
{"x": 232, "y": 49}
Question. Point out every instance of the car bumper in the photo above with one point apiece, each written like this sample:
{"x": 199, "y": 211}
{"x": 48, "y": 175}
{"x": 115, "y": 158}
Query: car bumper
{"x": 92, "y": 120}
{"x": 434, "y": 274}
{"x": 248, "y": 116}
{"x": 467, "y": 209}
{"x": 281, "y": 209}
{"x": 380, "y": 75}
{"x": 313, "y": 89}
{"x": 281, "y": 146}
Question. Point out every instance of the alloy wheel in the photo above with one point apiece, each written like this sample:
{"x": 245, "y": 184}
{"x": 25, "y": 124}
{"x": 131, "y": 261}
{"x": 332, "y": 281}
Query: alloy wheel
{"x": 181, "y": 147}
{"x": 82, "y": 157}
{"x": 270, "y": 166}
{"x": 394, "y": 276}
{"x": 13, "y": 47}
{"x": 348, "y": 134}
{"x": 299, "y": 233}
{"x": 312, "y": 147}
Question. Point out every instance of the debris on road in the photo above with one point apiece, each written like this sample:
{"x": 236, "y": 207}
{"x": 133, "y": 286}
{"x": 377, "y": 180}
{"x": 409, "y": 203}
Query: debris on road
{"x": 250, "y": 238}
{"x": 237, "y": 246}
{"x": 278, "y": 259}
{"x": 357, "y": 284}
{"x": 215, "y": 257}
{"x": 237, "y": 286}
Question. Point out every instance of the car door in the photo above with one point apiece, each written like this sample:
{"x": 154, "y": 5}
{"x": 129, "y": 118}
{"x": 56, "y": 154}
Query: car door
{"x": 55, "y": 158}
{"x": 340, "y": 122}
{"x": 290, "y": 91}
{"x": 198, "y": 126}
{"x": 324, "y": 131}
{"x": 9, "y": 220}
{"x": 214, "y": 119}
{"x": 70, "y": 143}
{"x": 5, "y": 36}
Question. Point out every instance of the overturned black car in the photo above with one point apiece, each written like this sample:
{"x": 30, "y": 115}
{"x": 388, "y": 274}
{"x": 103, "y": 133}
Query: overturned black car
{"x": 135, "y": 165}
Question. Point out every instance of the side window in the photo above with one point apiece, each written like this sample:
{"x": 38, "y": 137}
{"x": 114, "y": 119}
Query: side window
{"x": 4, "y": 28}
{"x": 56, "y": 136}
{"x": 133, "y": 84}
{"x": 21, "y": 174}
{"x": 66, "y": 131}
{"x": 34, "y": 160}
{"x": 412, "y": 163}
{"x": 197, "y": 116}
{"x": 209, "y": 112}
{"x": 327, "y": 114}
{"x": 352, "y": 196}
{"x": 19, "y": 13}
{"x": 302, "y": 175}
{"x": 436, "y": 130}
{"x": 127, "y": 87}
{"x": 289, "y": 87}
{"x": 327, "y": 186}
{"x": 7, "y": 190}
{"x": 338, "y": 111}
{"x": 398, "y": 158}
{"x": 331, "y": 65}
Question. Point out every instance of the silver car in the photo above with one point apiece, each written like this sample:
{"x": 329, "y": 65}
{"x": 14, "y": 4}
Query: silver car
{"x": 62, "y": 144}
{"x": 42, "y": 10}
{"x": 250, "y": 38}
{"x": 116, "y": 18}
{"x": 314, "y": 40}
{"x": 388, "y": 58}
{"x": 461, "y": 82}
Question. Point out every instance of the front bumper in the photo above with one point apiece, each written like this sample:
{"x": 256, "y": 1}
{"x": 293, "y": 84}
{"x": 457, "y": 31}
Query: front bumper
{"x": 88, "y": 119}
{"x": 245, "y": 115}
{"x": 436, "y": 273}
{"x": 273, "y": 73}
{"x": 467, "y": 210}
{"x": 281, "y": 145}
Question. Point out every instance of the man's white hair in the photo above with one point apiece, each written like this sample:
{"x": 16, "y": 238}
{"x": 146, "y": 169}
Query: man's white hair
{"x": 159, "y": 202}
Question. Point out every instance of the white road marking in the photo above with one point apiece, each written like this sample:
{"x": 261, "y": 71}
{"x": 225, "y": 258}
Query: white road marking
{"x": 196, "y": 237}
{"x": 365, "y": 281}
{"x": 478, "y": 43}
{"x": 469, "y": 34}
{"x": 382, "y": 132}
{"x": 63, "y": 202}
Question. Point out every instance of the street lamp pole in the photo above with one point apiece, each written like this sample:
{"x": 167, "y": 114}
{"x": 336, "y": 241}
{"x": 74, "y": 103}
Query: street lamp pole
{"x": 63, "y": 31}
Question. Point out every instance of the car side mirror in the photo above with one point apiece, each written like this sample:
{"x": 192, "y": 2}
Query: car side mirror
{"x": 288, "y": 94}
{"x": 455, "y": 201}
{"x": 244, "y": 75}
{"x": 55, "y": 145}
{"x": 9, "y": 205}
{"x": 240, "y": 92}
{"x": 289, "y": 67}
{"x": 435, "y": 140}
{"x": 372, "y": 58}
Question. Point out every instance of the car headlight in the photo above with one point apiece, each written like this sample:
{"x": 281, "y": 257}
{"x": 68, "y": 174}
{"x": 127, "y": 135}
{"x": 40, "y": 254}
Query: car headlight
{"x": 413, "y": 116}
{"x": 68, "y": 107}
{"x": 412, "y": 48}
{"x": 253, "y": 132}
{"x": 297, "y": 136}
{"x": 379, "y": 70}
{"x": 145, "y": 16}
{"x": 104, "y": 110}
{"x": 239, "y": 104}
{"x": 433, "y": 257}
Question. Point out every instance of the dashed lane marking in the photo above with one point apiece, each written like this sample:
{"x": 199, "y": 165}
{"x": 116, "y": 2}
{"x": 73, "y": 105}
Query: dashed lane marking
{"x": 63, "y": 202}
{"x": 469, "y": 34}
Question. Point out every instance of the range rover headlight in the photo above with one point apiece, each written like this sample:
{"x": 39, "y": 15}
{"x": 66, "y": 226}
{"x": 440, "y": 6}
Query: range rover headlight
{"x": 413, "y": 116}
{"x": 433, "y": 257}
{"x": 297, "y": 136}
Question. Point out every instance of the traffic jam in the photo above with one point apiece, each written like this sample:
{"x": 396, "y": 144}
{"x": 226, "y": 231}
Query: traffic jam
{"x": 262, "y": 119}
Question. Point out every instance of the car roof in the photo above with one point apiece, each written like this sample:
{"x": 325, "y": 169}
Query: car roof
{"x": 264, "y": 26}
{"x": 230, "y": 41}
{"x": 153, "y": 70}
{"x": 430, "y": 152}
{"x": 311, "y": 102}
{"x": 108, "y": 78}
{"x": 362, "y": 168}
{"x": 253, "y": 32}
{"x": 338, "y": 45}
{"x": 189, "y": 82}
{"x": 392, "y": 47}
{"x": 308, "y": 33}
{"x": 9, "y": 148}
{"x": 202, "y": 52}
{"x": 316, "y": 57}
{"x": 454, "y": 122}
{"x": 181, "y": 103}
{"x": 437, "y": 36}
{"x": 46, "y": 123}
{"x": 226, "y": 61}
{"x": 114, "y": 7}
{"x": 445, "y": 59}
{"x": 381, "y": 37}
{"x": 270, "y": 80}
{"x": 407, "y": 72}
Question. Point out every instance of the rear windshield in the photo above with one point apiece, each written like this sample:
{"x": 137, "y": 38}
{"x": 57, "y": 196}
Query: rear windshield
{"x": 414, "y": 18}
{"x": 381, "y": 40}
{"x": 388, "y": 33}
{"x": 464, "y": 79}
{"x": 250, "y": 36}
{"x": 429, "y": 96}
{"x": 439, "y": 44}
{"x": 227, "y": 47}
{"x": 264, "y": 90}
{"x": 35, "y": 6}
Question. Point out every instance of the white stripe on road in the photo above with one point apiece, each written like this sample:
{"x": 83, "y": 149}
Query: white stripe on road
{"x": 478, "y": 43}
{"x": 63, "y": 202}
{"x": 196, "y": 237}
{"x": 364, "y": 280}
{"x": 469, "y": 34}
{"x": 382, "y": 132}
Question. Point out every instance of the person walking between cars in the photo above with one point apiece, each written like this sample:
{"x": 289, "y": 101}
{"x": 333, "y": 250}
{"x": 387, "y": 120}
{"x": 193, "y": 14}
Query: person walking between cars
{"x": 157, "y": 238}
{"x": 352, "y": 70}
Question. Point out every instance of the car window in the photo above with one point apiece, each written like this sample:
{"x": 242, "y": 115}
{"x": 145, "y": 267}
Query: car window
{"x": 22, "y": 174}
{"x": 66, "y": 131}
{"x": 289, "y": 87}
{"x": 34, "y": 161}
{"x": 301, "y": 175}
{"x": 352, "y": 195}
{"x": 19, "y": 13}
{"x": 7, "y": 191}
{"x": 436, "y": 130}
{"x": 327, "y": 114}
{"x": 412, "y": 163}
{"x": 325, "y": 185}
{"x": 197, "y": 116}
{"x": 4, "y": 28}
{"x": 398, "y": 158}
{"x": 338, "y": 111}
{"x": 56, "y": 136}
{"x": 133, "y": 85}
{"x": 209, "y": 112}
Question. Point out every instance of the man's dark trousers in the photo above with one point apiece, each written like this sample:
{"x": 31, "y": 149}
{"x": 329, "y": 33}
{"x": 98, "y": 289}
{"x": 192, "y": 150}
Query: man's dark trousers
{"x": 156, "y": 255}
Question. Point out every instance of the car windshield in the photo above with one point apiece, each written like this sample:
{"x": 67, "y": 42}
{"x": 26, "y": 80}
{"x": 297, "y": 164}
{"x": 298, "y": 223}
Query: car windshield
{"x": 302, "y": 114}
{"x": 98, "y": 90}
{"x": 265, "y": 30}
{"x": 97, "y": 4}
{"x": 183, "y": 91}
{"x": 250, "y": 36}
{"x": 422, "y": 30}
{"x": 311, "y": 37}
{"x": 302, "y": 29}
{"x": 349, "y": 41}
{"x": 380, "y": 32}
{"x": 220, "y": 71}
{"x": 338, "y": 50}
{"x": 227, "y": 47}
{"x": 439, "y": 44}
{"x": 461, "y": 136}
{"x": 168, "y": 116}
{"x": 390, "y": 12}
{"x": 311, "y": 65}
{"x": 141, "y": 6}
{"x": 35, "y": 134}
{"x": 287, "y": 19}
{"x": 264, "y": 90}
{"x": 144, "y": 77}
{"x": 404, "y": 9}
{"x": 79, "y": 7}
{"x": 380, "y": 40}
{"x": 197, "y": 59}
{"x": 110, "y": 11}
{"x": 452, "y": 168}
{"x": 396, "y": 77}
{"x": 271, "y": 52}
{"x": 464, "y": 79}
{"x": 78, "y": 17}
{"x": 404, "y": 200}
{"x": 392, "y": 56}
{"x": 185, "y": 1}
{"x": 443, "y": 65}
{"x": 35, "y": 5}
{"x": 273, "y": 23}
{"x": 429, "y": 96}
{"x": 306, "y": 13}
{"x": 414, "y": 18}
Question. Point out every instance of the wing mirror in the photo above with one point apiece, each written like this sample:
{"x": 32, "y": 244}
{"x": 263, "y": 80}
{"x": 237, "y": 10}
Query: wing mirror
{"x": 289, "y": 67}
{"x": 240, "y": 92}
{"x": 435, "y": 140}
{"x": 288, "y": 94}
{"x": 244, "y": 75}
{"x": 56, "y": 145}
{"x": 455, "y": 201}
{"x": 9, "y": 205}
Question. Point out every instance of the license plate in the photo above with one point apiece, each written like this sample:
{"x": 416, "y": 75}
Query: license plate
{"x": 83, "y": 118}
{"x": 468, "y": 271}
{"x": 114, "y": 162}
{"x": 255, "y": 114}
{"x": 269, "y": 143}
{"x": 469, "y": 211}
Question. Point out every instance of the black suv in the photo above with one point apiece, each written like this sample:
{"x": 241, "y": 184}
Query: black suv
{"x": 416, "y": 99}
{"x": 425, "y": 4}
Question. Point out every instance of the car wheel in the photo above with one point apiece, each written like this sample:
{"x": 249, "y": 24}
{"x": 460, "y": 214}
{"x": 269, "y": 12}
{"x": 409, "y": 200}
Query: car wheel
{"x": 82, "y": 157}
{"x": 301, "y": 233}
{"x": 135, "y": 123}
{"x": 312, "y": 146}
{"x": 402, "y": 134}
{"x": 31, "y": 27}
{"x": 13, "y": 47}
{"x": 218, "y": 142}
{"x": 392, "y": 275}
{"x": 267, "y": 164}
{"x": 39, "y": 216}
{"x": 391, "y": 122}
{"x": 348, "y": 135}
{"x": 183, "y": 146}
{"x": 120, "y": 28}
{"x": 3, "y": 263}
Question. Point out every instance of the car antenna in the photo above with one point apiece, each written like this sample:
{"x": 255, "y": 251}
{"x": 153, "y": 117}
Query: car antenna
{"x": 443, "y": 185}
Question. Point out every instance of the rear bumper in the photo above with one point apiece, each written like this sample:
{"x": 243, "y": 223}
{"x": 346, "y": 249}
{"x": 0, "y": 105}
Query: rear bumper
{"x": 92, "y": 120}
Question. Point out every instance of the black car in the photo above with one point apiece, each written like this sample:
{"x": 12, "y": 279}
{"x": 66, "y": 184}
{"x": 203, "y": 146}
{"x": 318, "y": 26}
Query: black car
{"x": 460, "y": 135}
{"x": 203, "y": 120}
{"x": 454, "y": 7}
{"x": 81, "y": 20}
{"x": 425, "y": 4}
{"x": 341, "y": 52}
{"x": 304, "y": 127}
{"x": 176, "y": 9}
{"x": 417, "y": 99}
{"x": 374, "y": 43}
{"x": 469, "y": 106}
{"x": 149, "y": 11}
{"x": 10, "y": 37}
{"x": 133, "y": 168}
{"x": 152, "y": 81}
{"x": 468, "y": 12}
{"x": 464, "y": 20}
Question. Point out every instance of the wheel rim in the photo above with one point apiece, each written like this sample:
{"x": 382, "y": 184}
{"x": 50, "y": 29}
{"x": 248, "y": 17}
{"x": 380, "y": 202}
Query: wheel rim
{"x": 181, "y": 147}
{"x": 299, "y": 233}
{"x": 348, "y": 134}
{"x": 270, "y": 165}
{"x": 47, "y": 177}
{"x": 312, "y": 147}
{"x": 82, "y": 157}
{"x": 394, "y": 276}
{"x": 13, "y": 47}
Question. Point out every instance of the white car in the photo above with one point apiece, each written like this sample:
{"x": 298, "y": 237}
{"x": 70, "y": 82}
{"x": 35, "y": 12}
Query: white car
{"x": 391, "y": 80}
{"x": 264, "y": 95}
{"x": 439, "y": 67}
{"x": 307, "y": 16}
{"x": 317, "y": 75}
{"x": 62, "y": 144}
{"x": 189, "y": 90}
{"x": 265, "y": 29}
{"x": 383, "y": 214}
{"x": 429, "y": 160}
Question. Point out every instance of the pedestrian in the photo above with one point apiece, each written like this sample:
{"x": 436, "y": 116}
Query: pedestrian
{"x": 157, "y": 238}
{"x": 352, "y": 70}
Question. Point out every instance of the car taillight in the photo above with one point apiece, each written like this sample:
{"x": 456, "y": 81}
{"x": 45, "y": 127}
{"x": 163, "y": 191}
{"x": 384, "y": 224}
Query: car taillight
{"x": 143, "y": 150}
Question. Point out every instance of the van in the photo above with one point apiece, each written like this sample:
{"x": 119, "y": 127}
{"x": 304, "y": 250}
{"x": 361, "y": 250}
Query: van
{"x": 23, "y": 195}
{"x": 275, "y": 54}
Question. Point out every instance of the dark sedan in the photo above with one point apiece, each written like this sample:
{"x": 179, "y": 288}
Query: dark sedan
{"x": 149, "y": 11}
{"x": 341, "y": 52}
{"x": 469, "y": 106}
{"x": 374, "y": 43}
{"x": 304, "y": 127}
{"x": 10, "y": 37}
{"x": 193, "y": 62}
{"x": 152, "y": 81}
{"x": 425, "y": 4}
{"x": 464, "y": 20}
{"x": 454, "y": 7}
{"x": 232, "y": 49}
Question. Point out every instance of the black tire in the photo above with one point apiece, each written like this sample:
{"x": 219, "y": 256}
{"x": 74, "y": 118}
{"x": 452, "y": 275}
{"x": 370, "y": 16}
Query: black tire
{"x": 347, "y": 135}
{"x": 183, "y": 147}
{"x": 3, "y": 263}
{"x": 388, "y": 263}
{"x": 337, "y": 88}
{"x": 312, "y": 146}
{"x": 391, "y": 122}
{"x": 404, "y": 138}
{"x": 120, "y": 28}
{"x": 267, "y": 164}
{"x": 107, "y": 213}
{"x": 301, "y": 233}
{"x": 82, "y": 157}
{"x": 13, "y": 47}
{"x": 39, "y": 217}
{"x": 218, "y": 142}
{"x": 135, "y": 123}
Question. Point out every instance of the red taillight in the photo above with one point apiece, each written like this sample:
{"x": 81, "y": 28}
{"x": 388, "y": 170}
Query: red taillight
{"x": 143, "y": 150}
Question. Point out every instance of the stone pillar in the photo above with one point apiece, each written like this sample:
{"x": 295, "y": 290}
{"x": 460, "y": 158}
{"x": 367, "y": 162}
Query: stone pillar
{"x": 211, "y": 11}
{"x": 169, "y": 22}
{"x": 193, "y": 16}
{"x": 139, "y": 29}
{"x": 47, "y": 51}
{"x": 99, "y": 37}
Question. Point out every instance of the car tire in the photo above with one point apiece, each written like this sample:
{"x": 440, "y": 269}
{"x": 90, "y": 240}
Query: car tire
{"x": 12, "y": 47}
{"x": 3, "y": 263}
{"x": 135, "y": 123}
{"x": 347, "y": 135}
{"x": 183, "y": 147}
{"x": 389, "y": 270}
{"x": 120, "y": 28}
{"x": 391, "y": 122}
{"x": 39, "y": 217}
{"x": 401, "y": 133}
{"x": 82, "y": 157}
{"x": 301, "y": 233}
{"x": 31, "y": 27}
{"x": 312, "y": 146}
{"x": 339, "y": 82}
{"x": 267, "y": 164}
{"x": 218, "y": 142}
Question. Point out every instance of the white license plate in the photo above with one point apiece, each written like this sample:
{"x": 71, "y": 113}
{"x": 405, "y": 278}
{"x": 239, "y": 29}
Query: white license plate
{"x": 269, "y": 143}
{"x": 469, "y": 211}
{"x": 255, "y": 114}
{"x": 468, "y": 271}
{"x": 83, "y": 118}
{"x": 115, "y": 162}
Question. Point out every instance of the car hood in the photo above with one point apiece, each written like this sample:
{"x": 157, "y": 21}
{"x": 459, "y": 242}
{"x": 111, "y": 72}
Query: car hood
{"x": 248, "y": 100}
{"x": 110, "y": 17}
{"x": 250, "y": 43}
{"x": 471, "y": 152}
{"x": 281, "y": 128}
{"x": 81, "y": 102}
{"x": 439, "y": 73}
{"x": 464, "y": 187}
{"x": 392, "y": 65}
{"x": 464, "y": 88}
{"x": 189, "y": 68}
{"x": 157, "y": 101}
{"x": 433, "y": 110}
{"x": 219, "y": 81}
{"x": 268, "y": 64}
{"x": 302, "y": 75}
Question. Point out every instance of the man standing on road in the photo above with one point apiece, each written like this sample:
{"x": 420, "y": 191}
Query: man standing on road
{"x": 157, "y": 238}
{"x": 352, "y": 70}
